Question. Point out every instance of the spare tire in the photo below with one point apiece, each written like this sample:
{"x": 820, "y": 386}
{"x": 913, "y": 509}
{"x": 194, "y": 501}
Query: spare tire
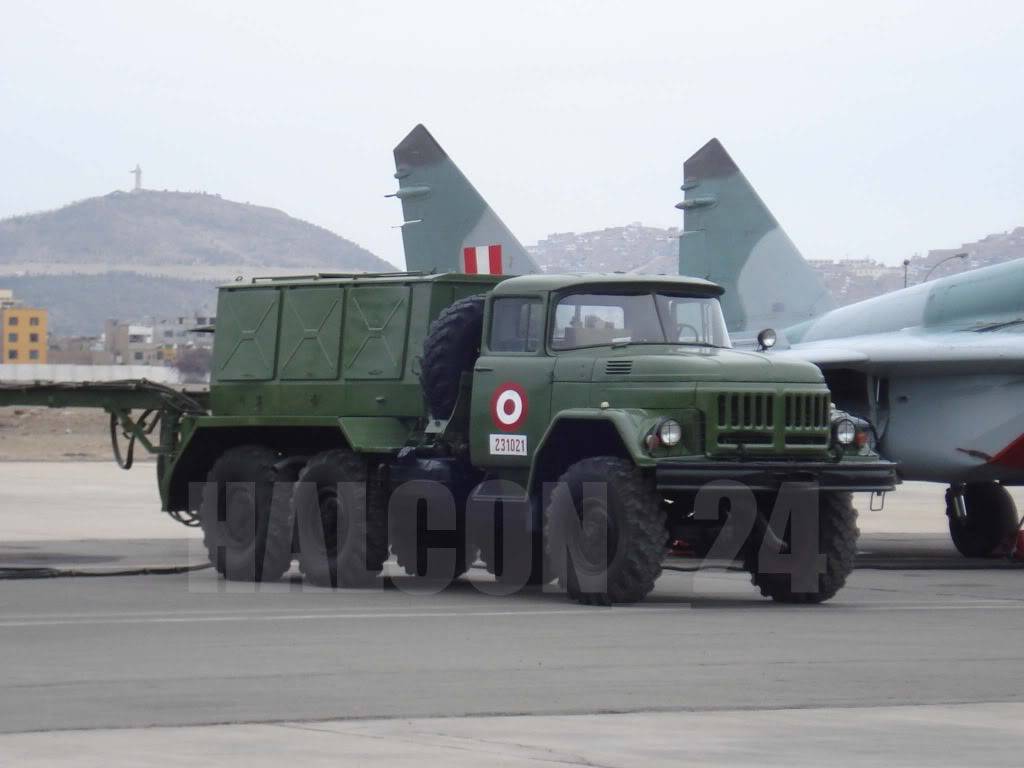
{"x": 450, "y": 349}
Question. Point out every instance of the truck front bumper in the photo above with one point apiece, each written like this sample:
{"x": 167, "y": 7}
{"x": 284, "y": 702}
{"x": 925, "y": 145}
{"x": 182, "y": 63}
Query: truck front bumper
{"x": 770, "y": 475}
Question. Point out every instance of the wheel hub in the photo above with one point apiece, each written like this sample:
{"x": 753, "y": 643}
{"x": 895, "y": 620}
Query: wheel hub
{"x": 333, "y": 520}
{"x": 595, "y": 541}
{"x": 240, "y": 513}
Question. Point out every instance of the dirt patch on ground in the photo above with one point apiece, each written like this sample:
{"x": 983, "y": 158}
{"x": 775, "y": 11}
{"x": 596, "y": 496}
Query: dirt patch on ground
{"x": 54, "y": 434}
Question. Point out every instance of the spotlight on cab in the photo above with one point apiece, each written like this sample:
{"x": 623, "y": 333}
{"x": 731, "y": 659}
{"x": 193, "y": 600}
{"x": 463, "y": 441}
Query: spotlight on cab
{"x": 766, "y": 339}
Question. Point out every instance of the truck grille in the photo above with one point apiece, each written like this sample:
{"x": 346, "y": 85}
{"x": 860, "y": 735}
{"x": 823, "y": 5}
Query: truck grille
{"x": 746, "y": 410}
{"x": 770, "y": 420}
{"x": 807, "y": 411}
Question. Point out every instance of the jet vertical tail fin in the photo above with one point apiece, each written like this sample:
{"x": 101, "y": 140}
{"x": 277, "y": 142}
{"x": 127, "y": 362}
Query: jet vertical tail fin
{"x": 448, "y": 226}
{"x": 730, "y": 237}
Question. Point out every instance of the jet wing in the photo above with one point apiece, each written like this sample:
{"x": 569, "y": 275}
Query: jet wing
{"x": 917, "y": 350}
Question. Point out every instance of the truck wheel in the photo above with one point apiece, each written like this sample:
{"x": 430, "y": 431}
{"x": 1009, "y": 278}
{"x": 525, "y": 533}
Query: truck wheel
{"x": 340, "y": 546}
{"x": 837, "y": 540}
{"x": 630, "y": 519}
{"x": 247, "y": 527}
{"x": 991, "y": 521}
{"x": 450, "y": 349}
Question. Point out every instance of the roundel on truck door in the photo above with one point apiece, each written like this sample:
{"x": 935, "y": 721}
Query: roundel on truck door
{"x": 508, "y": 407}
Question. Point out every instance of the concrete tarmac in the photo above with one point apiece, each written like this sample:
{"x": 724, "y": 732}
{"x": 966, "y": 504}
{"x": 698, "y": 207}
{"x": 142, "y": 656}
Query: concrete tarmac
{"x": 918, "y": 660}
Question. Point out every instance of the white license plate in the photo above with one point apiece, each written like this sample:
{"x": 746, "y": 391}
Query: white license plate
{"x": 508, "y": 445}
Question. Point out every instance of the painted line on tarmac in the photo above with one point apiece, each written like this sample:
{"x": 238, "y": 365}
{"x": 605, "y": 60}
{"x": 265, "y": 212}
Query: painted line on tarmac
{"x": 580, "y": 611}
{"x": 976, "y": 606}
{"x": 64, "y": 616}
{"x": 204, "y": 618}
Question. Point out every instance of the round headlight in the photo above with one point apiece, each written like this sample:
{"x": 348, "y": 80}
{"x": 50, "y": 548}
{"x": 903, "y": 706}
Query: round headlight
{"x": 846, "y": 432}
{"x": 670, "y": 432}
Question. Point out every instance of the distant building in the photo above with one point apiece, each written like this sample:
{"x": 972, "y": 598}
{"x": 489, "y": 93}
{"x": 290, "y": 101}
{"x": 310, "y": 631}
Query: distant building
{"x": 156, "y": 341}
{"x": 22, "y": 332}
{"x": 79, "y": 350}
{"x": 181, "y": 331}
{"x": 132, "y": 344}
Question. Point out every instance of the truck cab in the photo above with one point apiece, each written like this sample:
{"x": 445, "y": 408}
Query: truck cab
{"x": 585, "y": 353}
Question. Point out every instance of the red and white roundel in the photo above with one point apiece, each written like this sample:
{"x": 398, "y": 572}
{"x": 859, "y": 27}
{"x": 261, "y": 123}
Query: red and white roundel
{"x": 508, "y": 406}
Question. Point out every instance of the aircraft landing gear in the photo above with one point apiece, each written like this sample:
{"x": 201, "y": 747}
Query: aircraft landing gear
{"x": 982, "y": 518}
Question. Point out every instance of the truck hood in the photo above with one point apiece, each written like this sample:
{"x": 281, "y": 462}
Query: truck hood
{"x": 670, "y": 363}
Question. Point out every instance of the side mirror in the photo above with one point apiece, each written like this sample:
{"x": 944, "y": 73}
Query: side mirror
{"x": 766, "y": 339}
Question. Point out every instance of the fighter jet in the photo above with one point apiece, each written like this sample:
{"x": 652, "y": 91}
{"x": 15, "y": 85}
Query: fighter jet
{"x": 448, "y": 226}
{"x": 936, "y": 368}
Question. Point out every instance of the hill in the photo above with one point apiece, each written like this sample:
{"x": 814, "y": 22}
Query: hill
{"x": 131, "y": 255}
{"x": 182, "y": 234}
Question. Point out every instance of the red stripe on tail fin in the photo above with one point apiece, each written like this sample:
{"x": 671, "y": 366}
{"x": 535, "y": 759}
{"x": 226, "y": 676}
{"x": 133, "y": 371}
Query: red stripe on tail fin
{"x": 494, "y": 259}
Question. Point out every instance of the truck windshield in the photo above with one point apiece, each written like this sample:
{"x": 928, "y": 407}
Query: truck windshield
{"x": 600, "y": 319}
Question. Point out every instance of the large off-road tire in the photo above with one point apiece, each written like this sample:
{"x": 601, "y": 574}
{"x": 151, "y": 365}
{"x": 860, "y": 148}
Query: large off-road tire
{"x": 837, "y": 541}
{"x": 246, "y": 516}
{"x": 991, "y": 521}
{"x": 450, "y": 349}
{"x": 343, "y": 538}
{"x": 634, "y": 524}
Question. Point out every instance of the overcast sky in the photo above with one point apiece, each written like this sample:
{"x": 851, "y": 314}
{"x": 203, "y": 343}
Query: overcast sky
{"x": 880, "y": 130}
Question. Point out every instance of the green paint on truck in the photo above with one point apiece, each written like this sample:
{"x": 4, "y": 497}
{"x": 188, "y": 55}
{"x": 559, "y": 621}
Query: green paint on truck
{"x": 559, "y": 384}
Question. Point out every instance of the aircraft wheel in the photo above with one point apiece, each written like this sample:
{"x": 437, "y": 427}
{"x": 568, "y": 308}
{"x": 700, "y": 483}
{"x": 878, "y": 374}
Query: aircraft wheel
{"x": 991, "y": 520}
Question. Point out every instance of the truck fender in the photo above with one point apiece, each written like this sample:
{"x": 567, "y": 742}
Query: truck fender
{"x": 629, "y": 425}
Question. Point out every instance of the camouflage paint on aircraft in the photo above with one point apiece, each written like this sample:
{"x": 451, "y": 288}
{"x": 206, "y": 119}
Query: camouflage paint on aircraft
{"x": 938, "y": 368}
{"x": 447, "y": 226}
{"x": 731, "y": 238}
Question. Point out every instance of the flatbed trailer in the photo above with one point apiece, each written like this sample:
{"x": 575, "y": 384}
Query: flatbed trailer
{"x": 141, "y": 411}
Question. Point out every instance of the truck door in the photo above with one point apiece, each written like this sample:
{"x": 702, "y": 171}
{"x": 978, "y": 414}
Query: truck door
{"x": 511, "y": 402}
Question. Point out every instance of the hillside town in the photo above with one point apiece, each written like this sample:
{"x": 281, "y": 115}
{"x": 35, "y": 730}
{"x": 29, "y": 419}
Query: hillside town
{"x": 654, "y": 250}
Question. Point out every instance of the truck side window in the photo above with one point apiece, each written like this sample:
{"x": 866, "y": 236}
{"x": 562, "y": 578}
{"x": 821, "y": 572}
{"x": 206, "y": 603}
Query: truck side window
{"x": 517, "y": 324}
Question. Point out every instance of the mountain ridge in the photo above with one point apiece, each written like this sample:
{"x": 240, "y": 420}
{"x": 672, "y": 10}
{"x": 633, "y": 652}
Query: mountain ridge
{"x": 129, "y": 255}
{"x": 150, "y": 229}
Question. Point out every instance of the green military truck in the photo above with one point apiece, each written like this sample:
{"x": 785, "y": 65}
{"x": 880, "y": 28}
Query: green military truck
{"x": 554, "y": 426}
